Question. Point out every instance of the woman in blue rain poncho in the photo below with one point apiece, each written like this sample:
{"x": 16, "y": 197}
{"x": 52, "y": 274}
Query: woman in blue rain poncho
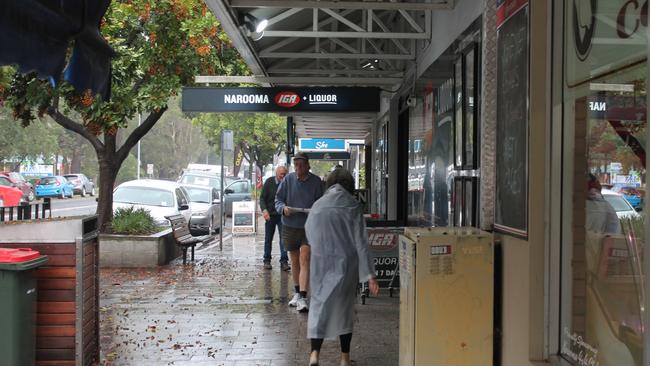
{"x": 336, "y": 232}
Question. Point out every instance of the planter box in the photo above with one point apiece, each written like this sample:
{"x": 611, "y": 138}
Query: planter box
{"x": 67, "y": 319}
{"x": 137, "y": 250}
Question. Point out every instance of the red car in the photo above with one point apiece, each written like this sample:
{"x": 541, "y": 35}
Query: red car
{"x": 9, "y": 196}
{"x": 21, "y": 183}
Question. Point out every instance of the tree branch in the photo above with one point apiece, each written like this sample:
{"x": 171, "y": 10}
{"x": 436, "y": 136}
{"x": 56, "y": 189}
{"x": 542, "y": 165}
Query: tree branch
{"x": 69, "y": 124}
{"x": 139, "y": 132}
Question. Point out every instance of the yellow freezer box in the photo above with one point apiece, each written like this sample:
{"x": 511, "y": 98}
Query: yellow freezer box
{"x": 446, "y": 297}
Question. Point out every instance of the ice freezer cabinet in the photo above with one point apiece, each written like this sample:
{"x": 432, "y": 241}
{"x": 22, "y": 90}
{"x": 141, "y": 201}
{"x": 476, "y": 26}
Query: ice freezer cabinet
{"x": 446, "y": 297}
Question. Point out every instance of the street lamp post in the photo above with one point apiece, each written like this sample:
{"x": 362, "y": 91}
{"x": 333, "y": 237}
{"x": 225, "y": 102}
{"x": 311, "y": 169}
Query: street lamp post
{"x": 139, "y": 123}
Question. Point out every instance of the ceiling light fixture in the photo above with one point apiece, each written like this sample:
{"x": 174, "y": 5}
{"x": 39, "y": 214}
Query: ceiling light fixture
{"x": 255, "y": 26}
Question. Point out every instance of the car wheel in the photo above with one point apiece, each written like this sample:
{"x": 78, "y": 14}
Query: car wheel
{"x": 30, "y": 196}
{"x": 92, "y": 191}
{"x": 211, "y": 227}
{"x": 83, "y": 191}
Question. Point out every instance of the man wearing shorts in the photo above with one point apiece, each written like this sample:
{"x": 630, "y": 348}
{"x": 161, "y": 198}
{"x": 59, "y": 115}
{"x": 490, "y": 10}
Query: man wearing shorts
{"x": 298, "y": 190}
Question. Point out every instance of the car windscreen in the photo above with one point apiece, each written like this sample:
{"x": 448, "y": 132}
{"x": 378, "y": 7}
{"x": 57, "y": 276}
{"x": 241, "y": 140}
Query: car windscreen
{"x": 71, "y": 178}
{"x": 201, "y": 180}
{"x": 144, "y": 196}
{"x": 198, "y": 194}
{"x": 48, "y": 181}
{"x": 618, "y": 203}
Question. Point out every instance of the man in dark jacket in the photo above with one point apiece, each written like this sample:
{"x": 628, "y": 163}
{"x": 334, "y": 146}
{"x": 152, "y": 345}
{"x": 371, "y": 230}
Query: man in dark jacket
{"x": 273, "y": 218}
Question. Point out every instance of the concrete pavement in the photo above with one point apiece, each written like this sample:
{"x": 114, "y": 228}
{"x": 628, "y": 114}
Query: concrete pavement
{"x": 225, "y": 309}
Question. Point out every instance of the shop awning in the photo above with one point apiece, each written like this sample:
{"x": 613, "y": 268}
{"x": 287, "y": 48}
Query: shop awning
{"x": 327, "y": 43}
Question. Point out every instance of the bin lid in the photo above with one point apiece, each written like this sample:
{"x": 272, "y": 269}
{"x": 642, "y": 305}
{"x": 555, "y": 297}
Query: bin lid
{"x": 18, "y": 255}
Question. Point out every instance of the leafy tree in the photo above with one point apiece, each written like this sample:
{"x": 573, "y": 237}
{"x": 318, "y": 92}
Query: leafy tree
{"x": 160, "y": 46}
{"x": 128, "y": 170}
{"x": 18, "y": 144}
{"x": 173, "y": 143}
{"x": 258, "y": 135}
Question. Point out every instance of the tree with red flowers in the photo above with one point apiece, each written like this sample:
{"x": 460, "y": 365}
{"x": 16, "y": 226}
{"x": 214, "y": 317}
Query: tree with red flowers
{"x": 160, "y": 46}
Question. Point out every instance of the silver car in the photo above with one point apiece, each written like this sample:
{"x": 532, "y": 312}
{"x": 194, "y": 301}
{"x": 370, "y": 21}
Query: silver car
{"x": 206, "y": 209}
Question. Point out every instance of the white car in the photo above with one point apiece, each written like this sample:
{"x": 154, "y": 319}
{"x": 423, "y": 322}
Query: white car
{"x": 161, "y": 197}
{"x": 622, "y": 207}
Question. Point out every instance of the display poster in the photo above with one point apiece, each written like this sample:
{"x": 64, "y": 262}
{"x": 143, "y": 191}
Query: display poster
{"x": 243, "y": 217}
{"x": 384, "y": 249}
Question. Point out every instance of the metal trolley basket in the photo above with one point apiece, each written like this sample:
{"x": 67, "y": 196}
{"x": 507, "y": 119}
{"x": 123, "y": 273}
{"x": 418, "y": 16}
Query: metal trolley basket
{"x": 383, "y": 243}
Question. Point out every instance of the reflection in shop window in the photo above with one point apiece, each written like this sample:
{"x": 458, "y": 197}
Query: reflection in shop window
{"x": 603, "y": 324}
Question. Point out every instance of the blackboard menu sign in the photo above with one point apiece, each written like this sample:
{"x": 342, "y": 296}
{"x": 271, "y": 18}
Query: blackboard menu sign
{"x": 511, "y": 214}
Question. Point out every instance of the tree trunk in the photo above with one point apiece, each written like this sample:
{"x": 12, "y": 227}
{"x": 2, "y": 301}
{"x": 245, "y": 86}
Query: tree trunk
{"x": 107, "y": 176}
{"x": 75, "y": 161}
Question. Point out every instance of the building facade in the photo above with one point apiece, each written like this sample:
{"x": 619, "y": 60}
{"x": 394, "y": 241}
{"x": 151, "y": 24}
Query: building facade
{"x": 529, "y": 119}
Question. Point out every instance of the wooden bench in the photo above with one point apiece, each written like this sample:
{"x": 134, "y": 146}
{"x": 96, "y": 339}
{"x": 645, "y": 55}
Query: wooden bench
{"x": 182, "y": 235}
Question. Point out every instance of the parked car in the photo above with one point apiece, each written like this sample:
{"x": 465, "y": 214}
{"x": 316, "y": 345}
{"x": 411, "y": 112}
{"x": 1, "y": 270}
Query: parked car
{"x": 229, "y": 179}
{"x": 161, "y": 197}
{"x": 631, "y": 195}
{"x": 21, "y": 183}
{"x": 621, "y": 205}
{"x": 81, "y": 184}
{"x": 206, "y": 209}
{"x": 10, "y": 196}
{"x": 200, "y": 179}
{"x": 239, "y": 190}
{"x": 54, "y": 186}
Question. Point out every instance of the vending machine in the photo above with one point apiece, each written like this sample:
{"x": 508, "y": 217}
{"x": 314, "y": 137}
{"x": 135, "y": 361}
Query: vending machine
{"x": 446, "y": 297}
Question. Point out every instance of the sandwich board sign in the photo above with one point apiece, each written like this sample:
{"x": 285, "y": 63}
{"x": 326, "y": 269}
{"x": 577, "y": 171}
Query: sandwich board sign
{"x": 243, "y": 217}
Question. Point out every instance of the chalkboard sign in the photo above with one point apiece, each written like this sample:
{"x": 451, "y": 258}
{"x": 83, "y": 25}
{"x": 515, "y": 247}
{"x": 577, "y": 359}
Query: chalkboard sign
{"x": 511, "y": 214}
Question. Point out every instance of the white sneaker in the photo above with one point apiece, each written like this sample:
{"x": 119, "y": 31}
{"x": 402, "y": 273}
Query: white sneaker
{"x": 294, "y": 300}
{"x": 302, "y": 305}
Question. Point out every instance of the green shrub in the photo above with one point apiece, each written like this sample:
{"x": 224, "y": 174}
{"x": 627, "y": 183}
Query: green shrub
{"x": 132, "y": 221}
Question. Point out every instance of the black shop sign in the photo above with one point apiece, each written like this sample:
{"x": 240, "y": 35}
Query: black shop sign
{"x": 281, "y": 99}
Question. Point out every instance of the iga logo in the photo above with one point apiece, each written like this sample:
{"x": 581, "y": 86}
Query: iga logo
{"x": 287, "y": 99}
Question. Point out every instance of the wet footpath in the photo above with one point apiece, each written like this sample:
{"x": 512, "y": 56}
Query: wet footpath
{"x": 225, "y": 309}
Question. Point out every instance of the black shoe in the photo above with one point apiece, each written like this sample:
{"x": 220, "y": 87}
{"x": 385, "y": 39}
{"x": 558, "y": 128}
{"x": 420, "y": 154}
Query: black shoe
{"x": 285, "y": 266}
{"x": 267, "y": 265}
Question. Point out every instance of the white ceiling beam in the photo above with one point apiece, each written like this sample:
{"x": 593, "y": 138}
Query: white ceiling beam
{"x": 322, "y": 34}
{"x": 342, "y": 19}
{"x": 289, "y": 40}
{"x": 336, "y": 125}
{"x": 411, "y": 21}
{"x": 278, "y": 44}
{"x": 284, "y": 15}
{"x": 385, "y": 29}
{"x": 285, "y": 4}
{"x": 331, "y": 114}
{"x": 344, "y": 45}
{"x": 315, "y": 55}
{"x": 296, "y": 80}
{"x": 334, "y": 72}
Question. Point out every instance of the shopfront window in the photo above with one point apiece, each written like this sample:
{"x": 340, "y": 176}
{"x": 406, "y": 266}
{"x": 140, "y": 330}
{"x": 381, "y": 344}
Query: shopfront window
{"x": 605, "y": 116}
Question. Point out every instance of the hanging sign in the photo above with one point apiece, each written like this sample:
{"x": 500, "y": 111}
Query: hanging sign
{"x": 322, "y": 145}
{"x": 281, "y": 99}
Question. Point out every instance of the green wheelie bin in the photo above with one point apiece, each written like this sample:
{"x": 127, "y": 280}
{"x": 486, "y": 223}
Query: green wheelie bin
{"x": 18, "y": 305}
